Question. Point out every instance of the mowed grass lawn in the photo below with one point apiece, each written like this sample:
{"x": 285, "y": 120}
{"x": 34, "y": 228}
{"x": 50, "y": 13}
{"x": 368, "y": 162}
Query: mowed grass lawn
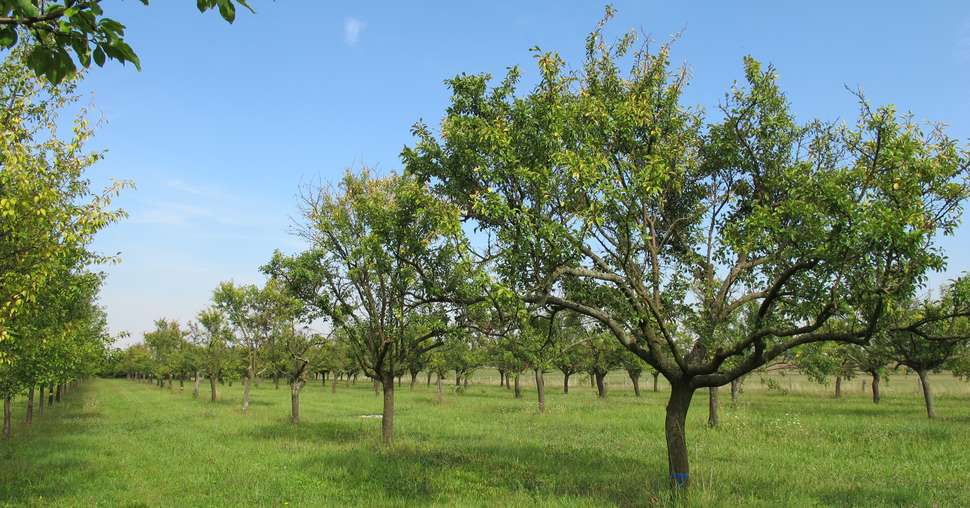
{"x": 121, "y": 443}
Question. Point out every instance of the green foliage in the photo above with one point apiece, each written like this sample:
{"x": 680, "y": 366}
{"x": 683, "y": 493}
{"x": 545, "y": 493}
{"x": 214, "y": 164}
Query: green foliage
{"x": 71, "y": 33}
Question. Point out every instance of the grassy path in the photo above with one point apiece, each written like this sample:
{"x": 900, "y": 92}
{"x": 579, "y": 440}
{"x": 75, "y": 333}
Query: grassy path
{"x": 119, "y": 443}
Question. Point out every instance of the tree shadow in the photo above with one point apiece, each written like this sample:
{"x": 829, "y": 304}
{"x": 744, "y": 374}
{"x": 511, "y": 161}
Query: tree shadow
{"x": 325, "y": 431}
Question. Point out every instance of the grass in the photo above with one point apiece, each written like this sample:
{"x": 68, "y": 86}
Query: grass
{"x": 121, "y": 443}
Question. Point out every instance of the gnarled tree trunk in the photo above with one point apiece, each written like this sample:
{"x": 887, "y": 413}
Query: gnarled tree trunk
{"x": 635, "y": 378}
{"x": 600, "y": 385}
{"x": 295, "y": 388}
{"x": 387, "y": 421}
{"x": 518, "y": 389}
{"x": 541, "y": 390}
{"x": 246, "y": 387}
{"x": 927, "y": 393}
{"x": 712, "y": 417}
{"x": 674, "y": 428}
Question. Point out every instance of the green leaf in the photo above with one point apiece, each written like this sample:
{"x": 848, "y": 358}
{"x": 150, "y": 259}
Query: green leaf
{"x": 99, "y": 56}
{"x": 8, "y": 37}
{"x": 227, "y": 10}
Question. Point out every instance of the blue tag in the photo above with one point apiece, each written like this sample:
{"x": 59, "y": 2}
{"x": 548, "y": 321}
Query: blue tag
{"x": 679, "y": 478}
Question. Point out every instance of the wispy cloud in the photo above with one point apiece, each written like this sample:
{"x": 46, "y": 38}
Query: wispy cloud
{"x": 352, "y": 29}
{"x": 194, "y": 190}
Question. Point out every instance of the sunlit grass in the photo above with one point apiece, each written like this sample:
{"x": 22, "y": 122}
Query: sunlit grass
{"x": 120, "y": 443}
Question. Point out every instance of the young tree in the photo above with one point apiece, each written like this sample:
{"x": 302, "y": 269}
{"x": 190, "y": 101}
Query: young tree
{"x": 384, "y": 255}
{"x": 212, "y": 335}
{"x": 604, "y": 195}
{"x": 249, "y": 309}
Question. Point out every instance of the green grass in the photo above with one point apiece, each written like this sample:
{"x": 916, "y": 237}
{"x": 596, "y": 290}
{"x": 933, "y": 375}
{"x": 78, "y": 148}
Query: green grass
{"x": 120, "y": 443}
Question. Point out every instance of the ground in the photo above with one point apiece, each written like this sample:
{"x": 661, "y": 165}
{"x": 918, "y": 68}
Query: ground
{"x": 122, "y": 443}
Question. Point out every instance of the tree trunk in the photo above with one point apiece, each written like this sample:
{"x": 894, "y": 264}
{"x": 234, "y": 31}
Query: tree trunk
{"x": 518, "y": 389}
{"x": 712, "y": 418}
{"x": 295, "y": 401}
{"x": 181, "y": 383}
{"x": 440, "y": 395}
{"x": 30, "y": 406}
{"x": 246, "y": 386}
{"x": 735, "y": 388}
{"x": 655, "y": 376}
{"x": 169, "y": 381}
{"x": 457, "y": 378}
{"x": 50, "y": 395}
{"x": 414, "y": 379}
{"x": 428, "y": 382}
{"x": 464, "y": 381}
{"x": 333, "y": 385}
{"x": 501, "y": 378}
{"x": 7, "y": 417}
{"x": 57, "y": 397}
{"x": 927, "y": 393}
{"x": 377, "y": 389}
{"x": 541, "y": 389}
{"x": 875, "y": 387}
{"x": 674, "y": 428}
{"x": 40, "y": 400}
{"x": 276, "y": 381}
{"x": 195, "y": 386}
{"x": 387, "y": 422}
{"x": 838, "y": 387}
{"x": 565, "y": 382}
{"x": 600, "y": 385}
{"x": 635, "y": 378}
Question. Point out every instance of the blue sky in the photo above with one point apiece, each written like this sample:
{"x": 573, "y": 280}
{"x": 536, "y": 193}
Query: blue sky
{"x": 225, "y": 122}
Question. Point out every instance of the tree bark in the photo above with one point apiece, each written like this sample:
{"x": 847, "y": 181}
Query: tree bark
{"x": 414, "y": 379}
{"x": 735, "y": 388}
{"x": 428, "y": 381}
{"x": 674, "y": 428}
{"x": 295, "y": 401}
{"x": 57, "y": 397}
{"x": 7, "y": 417}
{"x": 565, "y": 382}
{"x": 518, "y": 389}
{"x": 600, "y": 385}
{"x": 838, "y": 387}
{"x": 40, "y": 400}
{"x": 875, "y": 387}
{"x": 30, "y": 406}
{"x": 333, "y": 384}
{"x": 195, "y": 386}
{"x": 712, "y": 417}
{"x": 246, "y": 386}
{"x": 377, "y": 389}
{"x": 50, "y": 395}
{"x": 276, "y": 381}
{"x": 655, "y": 376}
{"x": 541, "y": 390}
{"x": 635, "y": 378}
{"x": 440, "y": 395}
{"x": 212, "y": 385}
{"x": 927, "y": 393}
{"x": 387, "y": 421}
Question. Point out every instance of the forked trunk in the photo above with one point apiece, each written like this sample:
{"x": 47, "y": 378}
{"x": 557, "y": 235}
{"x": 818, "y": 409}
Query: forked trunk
{"x": 7, "y": 417}
{"x": 518, "y": 389}
{"x": 387, "y": 422}
{"x": 541, "y": 389}
{"x": 295, "y": 401}
{"x": 600, "y": 385}
{"x": 246, "y": 386}
{"x": 565, "y": 382}
{"x": 838, "y": 387}
{"x": 875, "y": 387}
{"x": 212, "y": 385}
{"x": 927, "y": 393}
{"x": 635, "y": 378}
{"x": 712, "y": 418}
{"x": 674, "y": 428}
{"x": 30, "y": 406}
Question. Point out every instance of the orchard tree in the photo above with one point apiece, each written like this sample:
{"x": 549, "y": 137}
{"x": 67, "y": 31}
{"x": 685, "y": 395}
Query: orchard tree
{"x": 603, "y": 194}
{"x": 70, "y": 33}
{"x": 249, "y": 310}
{"x": 385, "y": 256}
{"x": 212, "y": 335}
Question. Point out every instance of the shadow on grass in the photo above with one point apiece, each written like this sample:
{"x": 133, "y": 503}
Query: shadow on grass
{"x": 319, "y": 432}
{"x": 408, "y": 474}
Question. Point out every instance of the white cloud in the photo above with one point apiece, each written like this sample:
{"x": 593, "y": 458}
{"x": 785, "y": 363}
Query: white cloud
{"x": 352, "y": 29}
